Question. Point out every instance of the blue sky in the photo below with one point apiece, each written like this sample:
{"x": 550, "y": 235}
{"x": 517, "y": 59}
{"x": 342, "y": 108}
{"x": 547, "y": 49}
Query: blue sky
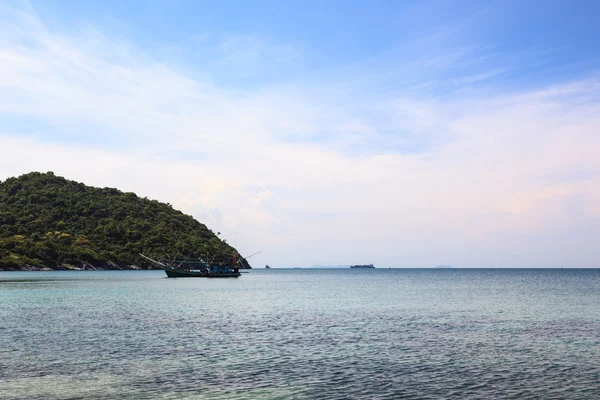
{"x": 536, "y": 41}
{"x": 449, "y": 132}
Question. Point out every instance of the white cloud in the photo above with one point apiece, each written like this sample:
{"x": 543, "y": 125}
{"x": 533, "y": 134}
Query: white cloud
{"x": 311, "y": 174}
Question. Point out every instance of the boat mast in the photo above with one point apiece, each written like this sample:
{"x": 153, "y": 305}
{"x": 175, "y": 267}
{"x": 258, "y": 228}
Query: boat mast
{"x": 153, "y": 261}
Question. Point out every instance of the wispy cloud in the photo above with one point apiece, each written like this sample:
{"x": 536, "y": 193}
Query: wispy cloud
{"x": 315, "y": 170}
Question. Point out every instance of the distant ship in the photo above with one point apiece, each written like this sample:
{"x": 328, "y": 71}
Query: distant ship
{"x": 362, "y": 266}
{"x": 267, "y": 266}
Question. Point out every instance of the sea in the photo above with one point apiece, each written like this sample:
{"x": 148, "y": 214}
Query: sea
{"x": 302, "y": 334}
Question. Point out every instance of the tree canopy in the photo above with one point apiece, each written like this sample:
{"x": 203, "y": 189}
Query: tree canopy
{"x": 49, "y": 221}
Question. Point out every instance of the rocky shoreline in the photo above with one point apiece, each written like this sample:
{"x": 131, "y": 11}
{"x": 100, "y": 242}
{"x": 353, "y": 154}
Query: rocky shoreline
{"x": 84, "y": 266}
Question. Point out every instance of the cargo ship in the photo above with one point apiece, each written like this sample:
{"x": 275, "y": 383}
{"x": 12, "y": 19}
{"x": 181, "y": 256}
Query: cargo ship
{"x": 362, "y": 266}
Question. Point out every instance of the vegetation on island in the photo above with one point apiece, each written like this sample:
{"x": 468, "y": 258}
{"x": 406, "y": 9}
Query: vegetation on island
{"x": 49, "y": 221}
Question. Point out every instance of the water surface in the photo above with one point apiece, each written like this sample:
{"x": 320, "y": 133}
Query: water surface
{"x": 301, "y": 334}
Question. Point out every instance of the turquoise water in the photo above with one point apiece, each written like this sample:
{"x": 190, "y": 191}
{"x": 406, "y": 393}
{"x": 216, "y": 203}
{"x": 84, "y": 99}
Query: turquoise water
{"x": 301, "y": 334}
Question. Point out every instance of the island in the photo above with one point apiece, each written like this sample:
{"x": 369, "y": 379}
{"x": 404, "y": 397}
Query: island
{"x": 49, "y": 222}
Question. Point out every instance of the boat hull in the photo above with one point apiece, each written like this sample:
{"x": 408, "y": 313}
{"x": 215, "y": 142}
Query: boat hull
{"x": 179, "y": 273}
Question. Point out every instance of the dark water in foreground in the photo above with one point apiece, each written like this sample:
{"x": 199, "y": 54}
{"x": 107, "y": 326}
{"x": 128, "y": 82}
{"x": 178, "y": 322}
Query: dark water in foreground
{"x": 301, "y": 334}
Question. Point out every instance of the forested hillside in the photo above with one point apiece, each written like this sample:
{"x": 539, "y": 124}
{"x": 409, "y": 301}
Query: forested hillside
{"x": 48, "y": 221}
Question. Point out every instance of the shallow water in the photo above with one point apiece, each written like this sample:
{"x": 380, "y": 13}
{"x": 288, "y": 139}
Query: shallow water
{"x": 301, "y": 334}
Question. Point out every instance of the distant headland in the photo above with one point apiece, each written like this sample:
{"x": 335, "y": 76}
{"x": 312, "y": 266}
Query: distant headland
{"x": 343, "y": 266}
{"x": 50, "y": 223}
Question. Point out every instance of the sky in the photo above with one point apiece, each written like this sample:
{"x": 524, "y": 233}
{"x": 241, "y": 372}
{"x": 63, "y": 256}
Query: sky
{"x": 400, "y": 133}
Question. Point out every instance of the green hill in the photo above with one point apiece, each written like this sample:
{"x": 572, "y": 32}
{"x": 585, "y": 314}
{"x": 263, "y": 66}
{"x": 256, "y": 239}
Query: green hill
{"x": 48, "y": 221}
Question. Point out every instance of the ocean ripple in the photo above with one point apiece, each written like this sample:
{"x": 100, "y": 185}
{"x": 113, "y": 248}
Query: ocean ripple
{"x": 303, "y": 335}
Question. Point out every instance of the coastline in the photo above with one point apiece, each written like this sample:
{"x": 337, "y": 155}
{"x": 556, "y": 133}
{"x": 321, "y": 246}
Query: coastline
{"x": 79, "y": 267}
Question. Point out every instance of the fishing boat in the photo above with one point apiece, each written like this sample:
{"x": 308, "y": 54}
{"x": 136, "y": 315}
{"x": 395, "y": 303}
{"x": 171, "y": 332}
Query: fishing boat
{"x": 212, "y": 271}
{"x": 198, "y": 269}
